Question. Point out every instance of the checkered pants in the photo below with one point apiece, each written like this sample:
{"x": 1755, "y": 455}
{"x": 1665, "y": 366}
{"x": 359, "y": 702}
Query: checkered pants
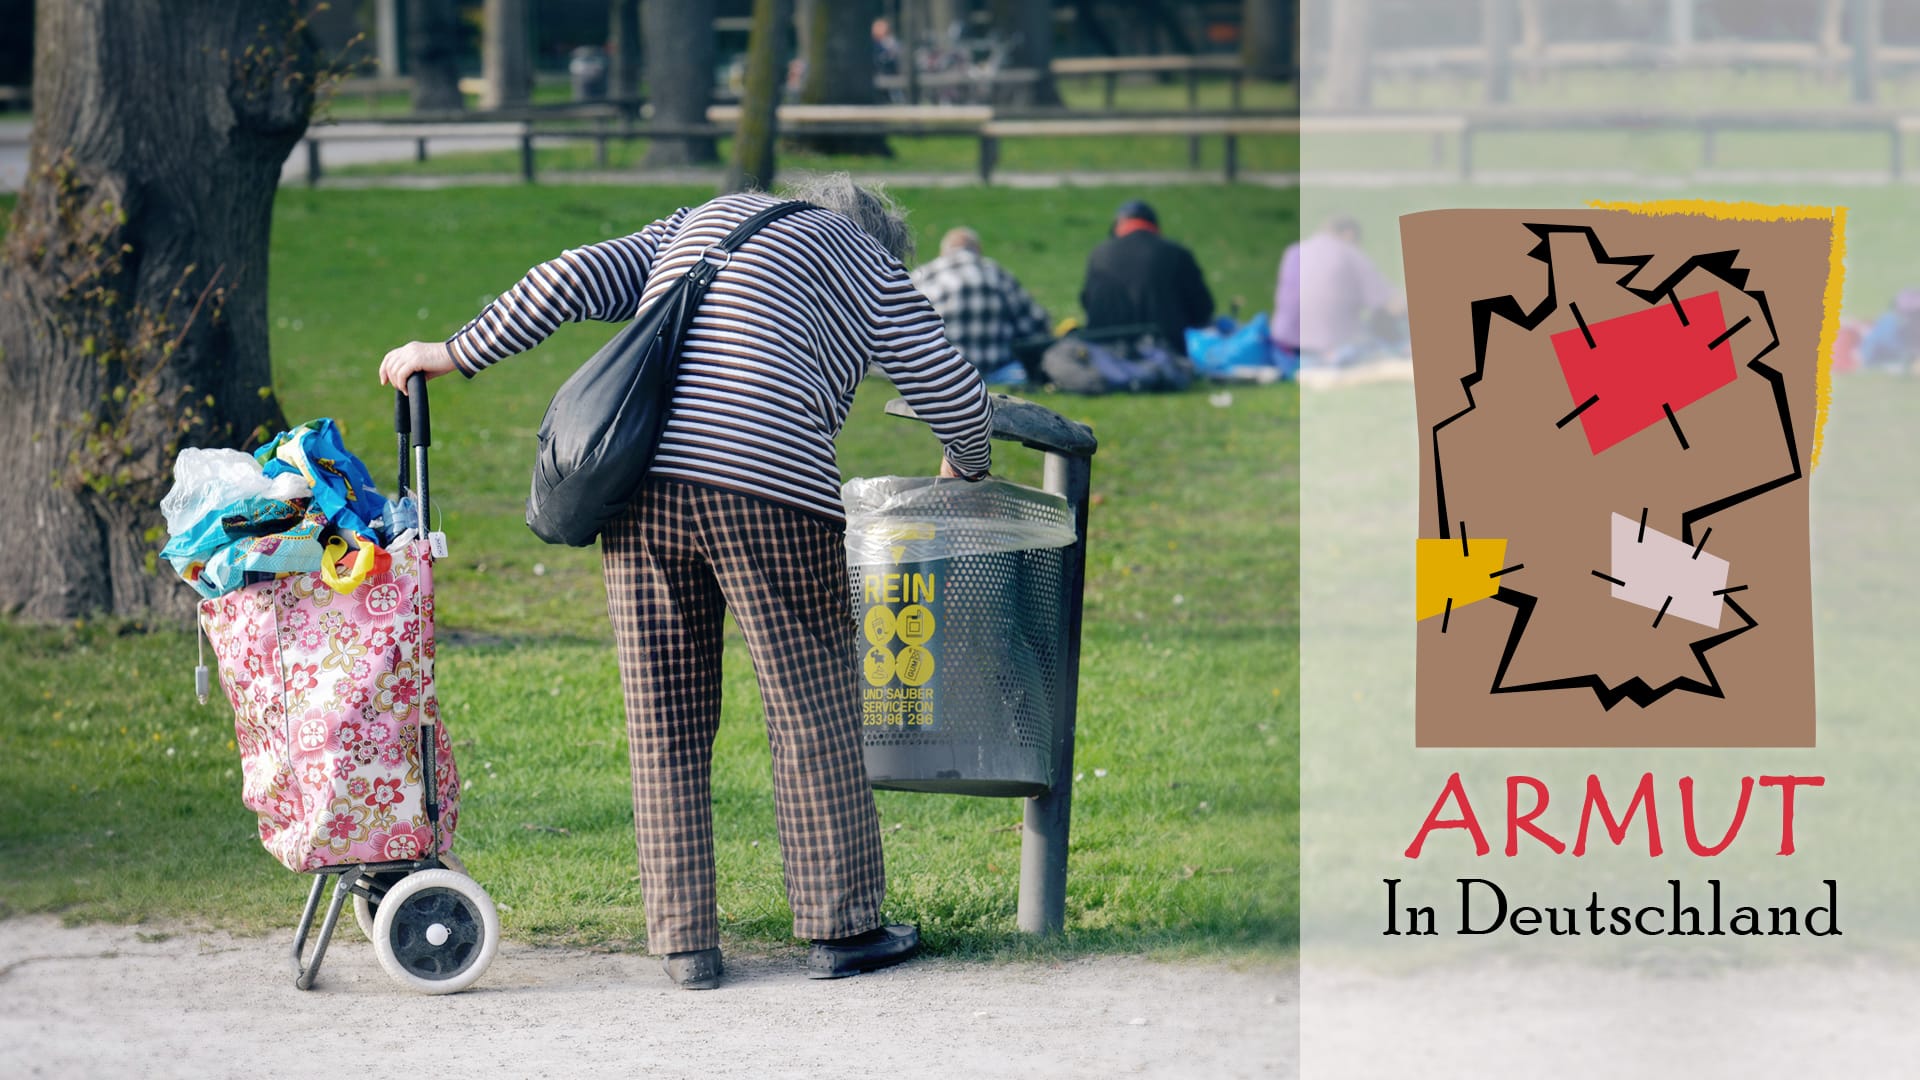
{"x": 676, "y": 560}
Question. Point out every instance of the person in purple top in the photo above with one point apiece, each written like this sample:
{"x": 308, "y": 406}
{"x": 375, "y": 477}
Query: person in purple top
{"x": 1332, "y": 307}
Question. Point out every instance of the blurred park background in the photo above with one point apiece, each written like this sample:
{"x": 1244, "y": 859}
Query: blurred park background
{"x": 221, "y": 214}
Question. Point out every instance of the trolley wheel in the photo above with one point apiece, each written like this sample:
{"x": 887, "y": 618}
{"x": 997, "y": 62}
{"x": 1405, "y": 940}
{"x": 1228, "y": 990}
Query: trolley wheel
{"x": 364, "y": 910}
{"x": 436, "y": 932}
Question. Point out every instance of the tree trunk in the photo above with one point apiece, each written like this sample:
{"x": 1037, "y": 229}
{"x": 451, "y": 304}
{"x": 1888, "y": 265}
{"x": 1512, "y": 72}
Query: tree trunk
{"x": 1267, "y": 30}
{"x": 1680, "y": 28}
{"x": 133, "y": 283}
{"x": 839, "y": 50}
{"x": 1496, "y": 34}
{"x": 1028, "y": 26}
{"x": 1533, "y": 32}
{"x": 623, "y": 49}
{"x": 753, "y": 140}
{"x": 386, "y": 38}
{"x": 1863, "y": 31}
{"x": 1833, "y": 18}
{"x": 1349, "y": 61}
{"x": 942, "y": 15}
{"x": 506, "y": 59}
{"x": 679, "y": 47}
{"x": 433, "y": 40}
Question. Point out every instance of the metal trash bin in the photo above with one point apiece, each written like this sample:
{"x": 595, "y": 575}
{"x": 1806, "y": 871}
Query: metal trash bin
{"x": 958, "y": 588}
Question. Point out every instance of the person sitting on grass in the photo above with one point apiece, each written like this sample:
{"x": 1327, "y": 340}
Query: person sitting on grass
{"x": 1140, "y": 278}
{"x": 1332, "y": 307}
{"x": 741, "y": 512}
{"x": 984, "y": 307}
{"x": 1892, "y": 343}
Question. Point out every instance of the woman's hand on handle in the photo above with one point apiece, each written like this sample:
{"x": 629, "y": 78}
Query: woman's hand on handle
{"x": 430, "y": 358}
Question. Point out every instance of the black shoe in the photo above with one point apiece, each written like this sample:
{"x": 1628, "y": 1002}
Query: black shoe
{"x": 697, "y": 970}
{"x": 836, "y": 958}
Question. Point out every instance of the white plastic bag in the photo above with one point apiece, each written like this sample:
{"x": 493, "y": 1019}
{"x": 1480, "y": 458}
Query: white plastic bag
{"x": 205, "y": 481}
{"x": 902, "y": 519}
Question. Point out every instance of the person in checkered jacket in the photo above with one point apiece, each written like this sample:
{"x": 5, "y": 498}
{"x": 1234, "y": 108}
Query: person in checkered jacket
{"x": 984, "y": 306}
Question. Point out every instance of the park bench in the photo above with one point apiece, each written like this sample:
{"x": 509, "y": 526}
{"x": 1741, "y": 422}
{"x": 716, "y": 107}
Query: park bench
{"x": 1554, "y": 57}
{"x": 601, "y": 135}
{"x": 1110, "y": 68}
{"x": 1709, "y": 124}
{"x": 880, "y": 119}
{"x": 1228, "y": 126}
{"x": 419, "y": 134}
{"x": 979, "y": 83}
{"x": 1441, "y": 129}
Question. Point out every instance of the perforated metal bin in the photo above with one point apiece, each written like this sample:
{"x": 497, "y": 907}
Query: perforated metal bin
{"x": 962, "y": 627}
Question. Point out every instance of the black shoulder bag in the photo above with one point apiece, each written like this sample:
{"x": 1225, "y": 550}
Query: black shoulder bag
{"x": 603, "y": 425}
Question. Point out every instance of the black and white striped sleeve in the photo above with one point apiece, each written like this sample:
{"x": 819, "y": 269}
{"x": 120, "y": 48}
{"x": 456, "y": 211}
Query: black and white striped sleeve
{"x": 910, "y": 344}
{"x": 601, "y": 281}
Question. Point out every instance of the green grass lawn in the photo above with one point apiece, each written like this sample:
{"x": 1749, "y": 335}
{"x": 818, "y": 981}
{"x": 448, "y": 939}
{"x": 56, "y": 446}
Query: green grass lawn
{"x": 119, "y": 798}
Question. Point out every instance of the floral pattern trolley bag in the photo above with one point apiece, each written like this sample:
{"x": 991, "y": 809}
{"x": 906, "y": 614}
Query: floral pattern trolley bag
{"x": 330, "y": 672}
{"x": 328, "y": 694}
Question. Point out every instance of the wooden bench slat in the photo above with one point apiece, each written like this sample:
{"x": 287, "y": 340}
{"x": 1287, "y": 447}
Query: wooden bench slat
{"x": 878, "y": 114}
{"x": 1122, "y": 65}
{"x": 1197, "y": 125}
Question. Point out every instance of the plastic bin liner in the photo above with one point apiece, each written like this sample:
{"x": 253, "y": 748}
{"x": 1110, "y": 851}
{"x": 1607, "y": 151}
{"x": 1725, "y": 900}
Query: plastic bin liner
{"x": 896, "y": 519}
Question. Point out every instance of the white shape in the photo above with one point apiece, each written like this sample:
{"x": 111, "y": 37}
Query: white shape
{"x": 437, "y": 935}
{"x": 1656, "y": 566}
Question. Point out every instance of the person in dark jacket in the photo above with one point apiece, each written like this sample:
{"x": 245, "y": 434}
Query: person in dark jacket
{"x": 1139, "y": 277}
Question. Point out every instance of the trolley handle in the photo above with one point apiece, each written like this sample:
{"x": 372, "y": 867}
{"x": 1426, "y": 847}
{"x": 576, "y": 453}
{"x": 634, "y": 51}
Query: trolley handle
{"x": 416, "y": 400}
{"x": 411, "y": 424}
{"x": 403, "y": 428}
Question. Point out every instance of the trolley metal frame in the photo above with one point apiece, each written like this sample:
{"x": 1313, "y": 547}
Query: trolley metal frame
{"x": 410, "y": 424}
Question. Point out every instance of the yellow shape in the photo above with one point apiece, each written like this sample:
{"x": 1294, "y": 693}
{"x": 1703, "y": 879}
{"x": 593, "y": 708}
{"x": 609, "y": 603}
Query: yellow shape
{"x": 879, "y": 626}
{"x": 879, "y": 666}
{"x": 916, "y": 624}
{"x": 1445, "y": 573}
{"x": 1836, "y": 275}
{"x": 916, "y": 665}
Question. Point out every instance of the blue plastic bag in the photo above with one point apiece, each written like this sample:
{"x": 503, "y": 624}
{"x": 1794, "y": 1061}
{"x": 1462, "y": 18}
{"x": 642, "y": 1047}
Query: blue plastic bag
{"x": 255, "y": 534}
{"x": 343, "y": 491}
{"x": 1217, "y": 351}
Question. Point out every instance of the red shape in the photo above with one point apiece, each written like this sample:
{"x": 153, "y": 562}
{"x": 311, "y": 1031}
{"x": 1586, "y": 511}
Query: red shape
{"x": 1640, "y": 362}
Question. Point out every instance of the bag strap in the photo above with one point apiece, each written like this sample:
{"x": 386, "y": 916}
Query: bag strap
{"x": 706, "y": 267}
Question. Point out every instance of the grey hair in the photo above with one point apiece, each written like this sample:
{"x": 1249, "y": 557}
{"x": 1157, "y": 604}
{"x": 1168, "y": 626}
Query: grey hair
{"x": 871, "y": 208}
{"x": 960, "y": 239}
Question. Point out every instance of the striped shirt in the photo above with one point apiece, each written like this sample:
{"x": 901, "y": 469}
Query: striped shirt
{"x": 770, "y": 364}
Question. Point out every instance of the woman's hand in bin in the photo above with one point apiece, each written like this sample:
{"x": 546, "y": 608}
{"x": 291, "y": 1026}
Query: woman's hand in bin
{"x": 948, "y": 471}
{"x": 430, "y": 358}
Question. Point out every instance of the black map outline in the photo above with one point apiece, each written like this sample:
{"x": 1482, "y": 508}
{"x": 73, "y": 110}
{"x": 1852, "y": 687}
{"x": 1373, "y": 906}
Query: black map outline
{"x": 1721, "y": 264}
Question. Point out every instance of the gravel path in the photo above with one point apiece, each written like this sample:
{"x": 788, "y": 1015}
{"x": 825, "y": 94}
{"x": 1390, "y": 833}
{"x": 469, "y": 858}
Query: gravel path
{"x": 110, "y": 1001}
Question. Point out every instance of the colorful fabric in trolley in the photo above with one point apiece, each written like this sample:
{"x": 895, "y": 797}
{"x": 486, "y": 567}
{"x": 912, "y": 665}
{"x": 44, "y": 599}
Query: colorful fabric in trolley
{"x": 343, "y": 490}
{"x": 328, "y": 694}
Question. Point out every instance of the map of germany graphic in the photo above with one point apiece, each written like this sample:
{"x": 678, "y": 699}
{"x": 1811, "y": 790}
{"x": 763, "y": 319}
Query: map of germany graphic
{"x": 1672, "y": 460}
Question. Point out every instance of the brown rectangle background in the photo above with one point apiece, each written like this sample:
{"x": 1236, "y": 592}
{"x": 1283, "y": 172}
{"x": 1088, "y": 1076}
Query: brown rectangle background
{"x": 1510, "y": 472}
